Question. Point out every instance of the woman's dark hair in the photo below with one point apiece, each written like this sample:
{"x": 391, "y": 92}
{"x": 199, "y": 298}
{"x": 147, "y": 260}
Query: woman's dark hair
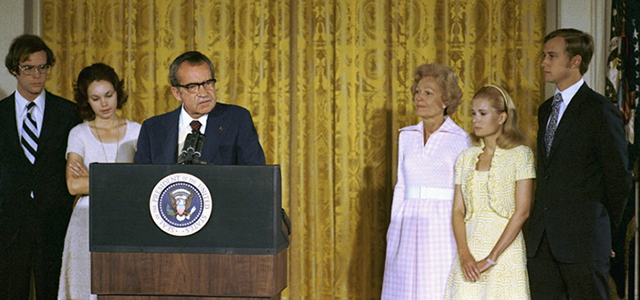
{"x": 96, "y": 72}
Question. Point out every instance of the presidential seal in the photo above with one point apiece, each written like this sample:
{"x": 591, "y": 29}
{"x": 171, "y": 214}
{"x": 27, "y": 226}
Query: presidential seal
{"x": 180, "y": 204}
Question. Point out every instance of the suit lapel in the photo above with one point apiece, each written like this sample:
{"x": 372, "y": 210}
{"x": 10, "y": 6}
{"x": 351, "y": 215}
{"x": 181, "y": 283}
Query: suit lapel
{"x": 11, "y": 134}
{"x": 170, "y": 148}
{"x": 217, "y": 127}
{"x": 543, "y": 119}
{"x": 48, "y": 123}
{"x": 570, "y": 114}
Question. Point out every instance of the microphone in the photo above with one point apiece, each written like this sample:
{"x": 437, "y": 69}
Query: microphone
{"x": 186, "y": 155}
{"x": 192, "y": 149}
{"x": 198, "y": 149}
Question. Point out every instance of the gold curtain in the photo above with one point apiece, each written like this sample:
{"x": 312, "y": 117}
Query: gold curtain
{"x": 327, "y": 83}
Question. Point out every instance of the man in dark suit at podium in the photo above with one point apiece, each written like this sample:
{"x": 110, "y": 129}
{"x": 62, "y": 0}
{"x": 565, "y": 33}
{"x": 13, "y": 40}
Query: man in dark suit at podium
{"x": 231, "y": 137}
{"x": 582, "y": 178}
{"x": 35, "y": 205}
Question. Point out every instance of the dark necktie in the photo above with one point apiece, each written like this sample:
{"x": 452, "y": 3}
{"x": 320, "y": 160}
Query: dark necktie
{"x": 29, "y": 139}
{"x": 553, "y": 122}
{"x": 195, "y": 126}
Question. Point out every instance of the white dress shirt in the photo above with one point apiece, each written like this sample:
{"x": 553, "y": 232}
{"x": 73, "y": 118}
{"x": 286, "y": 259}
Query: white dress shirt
{"x": 184, "y": 128}
{"x": 37, "y": 113}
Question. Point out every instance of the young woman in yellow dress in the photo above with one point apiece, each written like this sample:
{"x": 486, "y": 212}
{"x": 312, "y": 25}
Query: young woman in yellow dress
{"x": 492, "y": 199}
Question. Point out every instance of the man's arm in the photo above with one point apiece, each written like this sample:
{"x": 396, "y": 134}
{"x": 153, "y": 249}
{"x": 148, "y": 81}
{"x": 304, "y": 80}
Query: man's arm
{"x": 143, "y": 155}
{"x": 249, "y": 149}
{"x": 614, "y": 158}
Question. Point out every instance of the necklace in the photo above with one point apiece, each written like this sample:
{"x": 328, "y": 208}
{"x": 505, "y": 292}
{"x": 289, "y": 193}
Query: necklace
{"x": 102, "y": 144}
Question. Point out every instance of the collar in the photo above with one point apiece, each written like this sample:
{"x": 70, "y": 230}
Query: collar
{"x": 499, "y": 151}
{"x": 21, "y": 103}
{"x": 569, "y": 92}
{"x": 448, "y": 126}
{"x": 185, "y": 120}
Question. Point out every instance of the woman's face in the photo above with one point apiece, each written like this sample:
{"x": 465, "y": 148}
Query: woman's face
{"x": 103, "y": 98}
{"x": 487, "y": 121}
{"x": 428, "y": 99}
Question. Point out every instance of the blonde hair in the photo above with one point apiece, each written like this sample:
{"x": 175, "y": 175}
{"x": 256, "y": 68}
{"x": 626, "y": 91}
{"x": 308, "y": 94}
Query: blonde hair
{"x": 500, "y": 100}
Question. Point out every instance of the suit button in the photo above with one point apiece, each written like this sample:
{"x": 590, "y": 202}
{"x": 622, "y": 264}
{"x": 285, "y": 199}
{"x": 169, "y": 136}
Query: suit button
{"x": 546, "y": 208}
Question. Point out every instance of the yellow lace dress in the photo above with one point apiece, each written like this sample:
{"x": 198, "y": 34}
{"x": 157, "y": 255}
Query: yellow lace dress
{"x": 508, "y": 278}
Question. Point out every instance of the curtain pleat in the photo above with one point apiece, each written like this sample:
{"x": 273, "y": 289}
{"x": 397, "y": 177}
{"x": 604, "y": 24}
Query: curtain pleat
{"x": 327, "y": 83}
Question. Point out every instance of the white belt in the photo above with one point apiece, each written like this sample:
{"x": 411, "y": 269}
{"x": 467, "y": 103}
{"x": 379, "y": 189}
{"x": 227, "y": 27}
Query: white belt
{"x": 423, "y": 192}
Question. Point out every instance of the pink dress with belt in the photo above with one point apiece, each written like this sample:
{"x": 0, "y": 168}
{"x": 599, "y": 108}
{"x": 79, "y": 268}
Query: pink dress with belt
{"x": 420, "y": 242}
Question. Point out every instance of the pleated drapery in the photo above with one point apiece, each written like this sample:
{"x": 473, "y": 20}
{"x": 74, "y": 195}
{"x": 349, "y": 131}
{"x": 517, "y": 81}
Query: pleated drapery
{"x": 327, "y": 83}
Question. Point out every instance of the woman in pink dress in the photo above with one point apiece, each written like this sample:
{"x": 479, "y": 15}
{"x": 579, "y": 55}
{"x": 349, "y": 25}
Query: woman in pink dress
{"x": 420, "y": 242}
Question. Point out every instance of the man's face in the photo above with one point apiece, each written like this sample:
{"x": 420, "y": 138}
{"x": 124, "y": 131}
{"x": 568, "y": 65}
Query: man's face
{"x": 204, "y": 99}
{"x": 30, "y": 86}
{"x": 558, "y": 67}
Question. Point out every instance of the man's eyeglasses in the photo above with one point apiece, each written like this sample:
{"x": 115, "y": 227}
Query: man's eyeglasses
{"x": 30, "y": 70}
{"x": 192, "y": 88}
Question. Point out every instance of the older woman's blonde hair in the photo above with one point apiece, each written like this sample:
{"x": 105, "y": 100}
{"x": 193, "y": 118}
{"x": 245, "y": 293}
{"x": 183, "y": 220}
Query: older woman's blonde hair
{"x": 500, "y": 100}
{"x": 446, "y": 78}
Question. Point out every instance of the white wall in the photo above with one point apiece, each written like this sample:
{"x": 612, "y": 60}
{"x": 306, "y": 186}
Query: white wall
{"x": 16, "y": 17}
{"x": 11, "y": 25}
{"x": 589, "y": 16}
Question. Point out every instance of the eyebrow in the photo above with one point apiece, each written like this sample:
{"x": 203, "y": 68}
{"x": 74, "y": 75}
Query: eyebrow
{"x": 107, "y": 92}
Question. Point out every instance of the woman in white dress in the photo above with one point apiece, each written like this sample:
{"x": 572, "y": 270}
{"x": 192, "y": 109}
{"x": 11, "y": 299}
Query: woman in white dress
{"x": 103, "y": 137}
{"x": 420, "y": 242}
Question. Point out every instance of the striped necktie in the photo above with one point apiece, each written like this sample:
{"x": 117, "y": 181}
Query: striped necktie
{"x": 29, "y": 138}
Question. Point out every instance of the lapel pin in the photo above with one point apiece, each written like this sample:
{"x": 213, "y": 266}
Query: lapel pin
{"x": 220, "y": 128}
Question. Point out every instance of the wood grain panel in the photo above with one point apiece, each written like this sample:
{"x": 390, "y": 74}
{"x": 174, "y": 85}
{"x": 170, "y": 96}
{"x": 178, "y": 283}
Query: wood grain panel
{"x": 193, "y": 274}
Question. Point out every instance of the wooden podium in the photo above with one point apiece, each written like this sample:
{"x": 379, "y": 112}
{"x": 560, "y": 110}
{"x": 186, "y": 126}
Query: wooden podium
{"x": 239, "y": 252}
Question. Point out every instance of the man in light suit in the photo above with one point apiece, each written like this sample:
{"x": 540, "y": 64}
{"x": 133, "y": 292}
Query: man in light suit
{"x": 35, "y": 205}
{"x": 231, "y": 138}
{"x": 583, "y": 181}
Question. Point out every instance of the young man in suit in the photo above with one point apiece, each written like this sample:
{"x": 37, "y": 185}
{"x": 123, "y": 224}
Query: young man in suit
{"x": 231, "y": 138}
{"x": 35, "y": 205}
{"x": 583, "y": 181}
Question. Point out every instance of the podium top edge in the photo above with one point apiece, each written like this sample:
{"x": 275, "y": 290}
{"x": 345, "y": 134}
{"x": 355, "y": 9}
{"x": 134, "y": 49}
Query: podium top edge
{"x": 169, "y": 165}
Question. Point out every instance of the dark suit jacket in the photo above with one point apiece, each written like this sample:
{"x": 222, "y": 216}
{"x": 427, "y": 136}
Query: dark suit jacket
{"x": 584, "y": 183}
{"x": 231, "y": 138}
{"x": 50, "y": 210}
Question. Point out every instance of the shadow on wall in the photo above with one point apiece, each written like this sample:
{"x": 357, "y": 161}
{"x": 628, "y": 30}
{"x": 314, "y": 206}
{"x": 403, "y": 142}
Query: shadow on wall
{"x": 366, "y": 266}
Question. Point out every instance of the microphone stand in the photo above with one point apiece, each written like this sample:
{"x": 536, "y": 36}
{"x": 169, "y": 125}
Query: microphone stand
{"x": 198, "y": 150}
{"x": 192, "y": 149}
